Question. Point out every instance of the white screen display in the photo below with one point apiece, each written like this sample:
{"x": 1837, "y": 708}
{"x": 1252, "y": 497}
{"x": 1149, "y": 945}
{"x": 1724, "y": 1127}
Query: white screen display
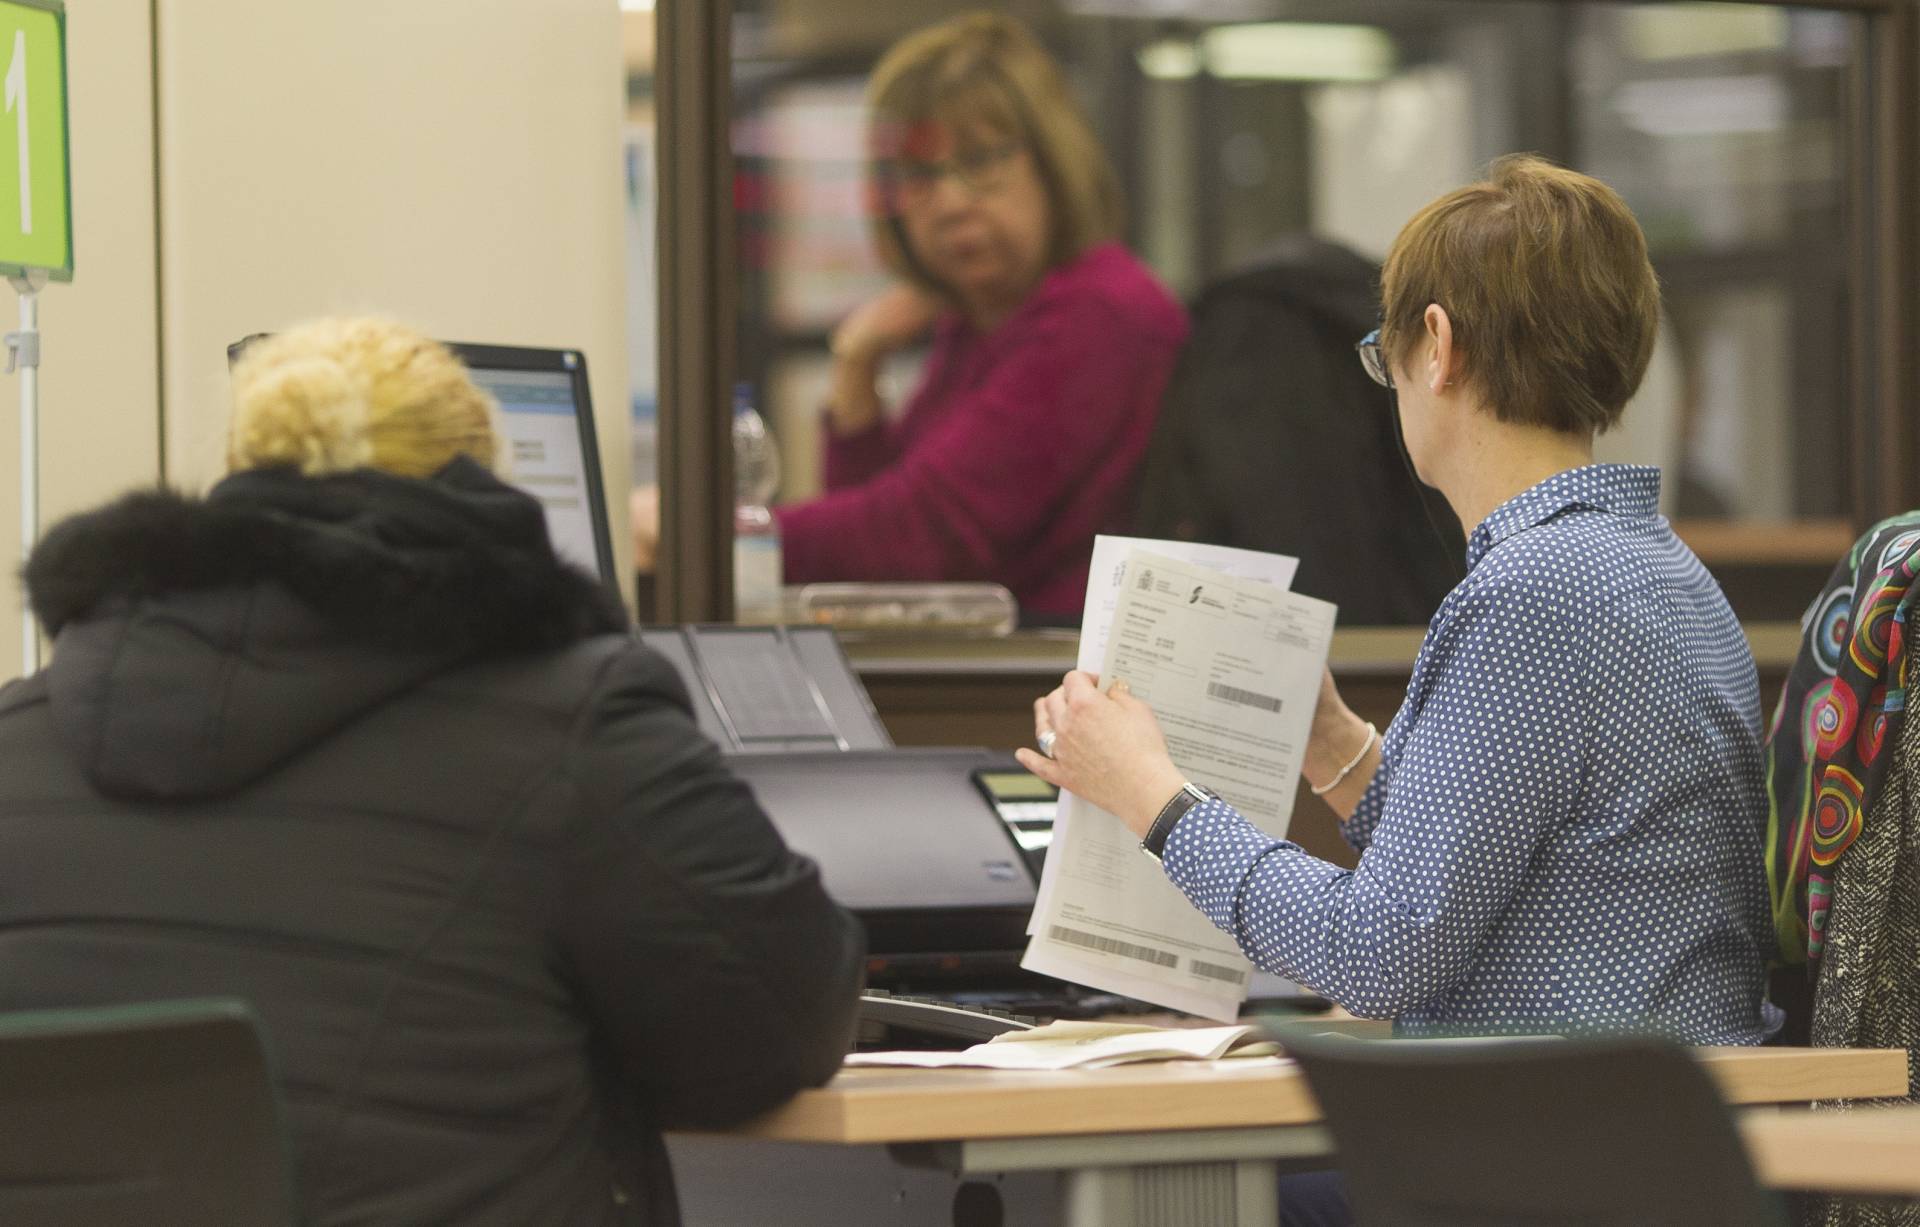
{"x": 543, "y": 431}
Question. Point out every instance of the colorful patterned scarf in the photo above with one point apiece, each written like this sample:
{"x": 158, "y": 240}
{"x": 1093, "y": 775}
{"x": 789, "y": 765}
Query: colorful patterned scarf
{"x": 1842, "y": 706}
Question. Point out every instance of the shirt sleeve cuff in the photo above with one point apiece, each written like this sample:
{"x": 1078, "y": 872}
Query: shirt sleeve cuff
{"x": 1209, "y": 854}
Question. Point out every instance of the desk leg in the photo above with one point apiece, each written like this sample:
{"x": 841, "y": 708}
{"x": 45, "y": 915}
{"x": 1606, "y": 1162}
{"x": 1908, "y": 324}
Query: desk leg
{"x": 1173, "y": 1195}
{"x": 1175, "y": 1178}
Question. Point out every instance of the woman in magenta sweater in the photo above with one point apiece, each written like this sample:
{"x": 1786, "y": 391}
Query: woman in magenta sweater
{"x": 1051, "y": 343}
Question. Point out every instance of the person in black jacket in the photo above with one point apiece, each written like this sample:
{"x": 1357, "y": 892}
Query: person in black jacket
{"x": 345, "y": 739}
{"x": 1271, "y": 437}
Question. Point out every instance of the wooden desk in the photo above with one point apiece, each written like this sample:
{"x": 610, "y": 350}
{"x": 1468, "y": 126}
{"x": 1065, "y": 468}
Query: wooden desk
{"x": 1866, "y": 1151}
{"x": 864, "y": 1106}
{"x": 1195, "y": 1143}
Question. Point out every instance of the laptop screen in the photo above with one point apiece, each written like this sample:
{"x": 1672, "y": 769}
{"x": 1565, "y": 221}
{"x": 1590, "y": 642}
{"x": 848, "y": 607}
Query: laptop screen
{"x": 547, "y": 414}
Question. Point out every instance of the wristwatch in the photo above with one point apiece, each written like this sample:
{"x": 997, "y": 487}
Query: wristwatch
{"x": 1190, "y": 795}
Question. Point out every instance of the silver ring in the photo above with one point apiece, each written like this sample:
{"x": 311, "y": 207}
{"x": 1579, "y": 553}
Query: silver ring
{"x": 1045, "y": 742}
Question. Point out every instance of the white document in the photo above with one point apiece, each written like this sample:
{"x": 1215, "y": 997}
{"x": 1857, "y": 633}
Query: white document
{"x": 1231, "y": 667}
{"x": 1105, "y": 578}
{"x": 1083, "y": 1045}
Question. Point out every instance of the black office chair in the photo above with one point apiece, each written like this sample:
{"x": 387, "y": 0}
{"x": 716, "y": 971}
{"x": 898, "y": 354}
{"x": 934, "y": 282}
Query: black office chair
{"x": 144, "y": 1115}
{"x": 1530, "y": 1133}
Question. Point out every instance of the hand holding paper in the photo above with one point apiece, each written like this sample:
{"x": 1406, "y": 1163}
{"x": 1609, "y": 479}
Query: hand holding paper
{"x": 1229, "y": 663}
{"x": 1107, "y": 749}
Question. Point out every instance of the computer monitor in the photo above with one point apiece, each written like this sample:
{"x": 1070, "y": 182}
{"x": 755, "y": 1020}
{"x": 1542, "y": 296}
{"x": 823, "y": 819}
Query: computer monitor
{"x": 546, "y": 412}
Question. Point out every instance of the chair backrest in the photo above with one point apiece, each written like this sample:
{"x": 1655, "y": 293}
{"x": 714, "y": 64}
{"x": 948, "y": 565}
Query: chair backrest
{"x": 1531, "y": 1133}
{"x": 147, "y": 1114}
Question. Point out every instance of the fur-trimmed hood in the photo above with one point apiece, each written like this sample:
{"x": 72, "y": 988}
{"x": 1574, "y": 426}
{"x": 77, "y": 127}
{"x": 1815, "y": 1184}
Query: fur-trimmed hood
{"x": 201, "y": 642}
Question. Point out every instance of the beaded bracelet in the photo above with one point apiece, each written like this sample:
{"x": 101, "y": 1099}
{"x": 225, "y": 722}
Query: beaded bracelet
{"x": 1372, "y": 735}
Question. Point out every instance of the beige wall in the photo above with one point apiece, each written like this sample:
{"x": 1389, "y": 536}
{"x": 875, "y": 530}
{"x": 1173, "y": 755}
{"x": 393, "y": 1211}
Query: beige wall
{"x": 99, "y": 385}
{"x": 455, "y": 165}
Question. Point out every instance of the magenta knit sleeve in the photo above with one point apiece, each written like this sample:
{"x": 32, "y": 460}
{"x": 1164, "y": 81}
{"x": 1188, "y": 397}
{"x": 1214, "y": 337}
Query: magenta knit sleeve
{"x": 853, "y": 459}
{"x": 983, "y": 483}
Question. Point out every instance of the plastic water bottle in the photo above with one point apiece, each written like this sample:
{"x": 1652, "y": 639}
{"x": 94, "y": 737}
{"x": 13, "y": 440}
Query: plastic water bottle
{"x": 645, "y": 443}
{"x": 756, "y": 534}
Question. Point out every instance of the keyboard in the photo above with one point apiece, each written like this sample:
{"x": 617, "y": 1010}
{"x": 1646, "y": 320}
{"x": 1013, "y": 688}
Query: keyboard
{"x": 899, "y": 1020}
{"x": 964, "y": 1018}
{"x": 1047, "y": 1005}
{"x": 887, "y": 1021}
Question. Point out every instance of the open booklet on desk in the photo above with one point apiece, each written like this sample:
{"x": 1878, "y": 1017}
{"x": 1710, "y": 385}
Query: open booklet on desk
{"x": 1230, "y": 660}
{"x": 1088, "y": 1045}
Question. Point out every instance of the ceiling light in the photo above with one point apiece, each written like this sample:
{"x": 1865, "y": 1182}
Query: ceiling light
{"x": 1297, "y": 51}
{"x": 1682, "y": 31}
{"x": 1170, "y": 59}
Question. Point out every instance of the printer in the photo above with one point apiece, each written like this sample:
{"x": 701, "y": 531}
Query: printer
{"x": 912, "y": 840}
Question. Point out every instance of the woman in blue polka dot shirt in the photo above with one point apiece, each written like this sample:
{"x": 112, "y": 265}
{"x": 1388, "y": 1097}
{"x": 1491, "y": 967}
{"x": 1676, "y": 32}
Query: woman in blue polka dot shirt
{"x": 1561, "y": 829}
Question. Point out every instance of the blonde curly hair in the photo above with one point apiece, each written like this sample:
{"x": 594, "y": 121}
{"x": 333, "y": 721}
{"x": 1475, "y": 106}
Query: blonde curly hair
{"x": 339, "y": 394}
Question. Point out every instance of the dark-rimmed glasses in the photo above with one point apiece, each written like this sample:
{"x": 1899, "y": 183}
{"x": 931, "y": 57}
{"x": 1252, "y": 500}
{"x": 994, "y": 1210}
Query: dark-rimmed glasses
{"x": 1373, "y": 360}
{"x": 980, "y": 171}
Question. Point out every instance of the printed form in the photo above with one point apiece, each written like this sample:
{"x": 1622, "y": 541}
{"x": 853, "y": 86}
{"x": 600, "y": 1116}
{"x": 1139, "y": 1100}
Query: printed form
{"x": 1230, "y": 661}
{"x": 1106, "y": 580}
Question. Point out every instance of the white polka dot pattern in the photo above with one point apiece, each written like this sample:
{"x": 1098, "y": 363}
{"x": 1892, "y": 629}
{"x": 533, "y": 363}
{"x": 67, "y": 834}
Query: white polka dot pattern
{"x": 1565, "y": 829}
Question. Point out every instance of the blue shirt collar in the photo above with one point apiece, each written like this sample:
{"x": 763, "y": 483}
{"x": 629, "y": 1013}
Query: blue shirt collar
{"x": 1620, "y": 489}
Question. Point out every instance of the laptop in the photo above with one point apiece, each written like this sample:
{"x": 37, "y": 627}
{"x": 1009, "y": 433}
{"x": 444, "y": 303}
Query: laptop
{"x": 546, "y": 414}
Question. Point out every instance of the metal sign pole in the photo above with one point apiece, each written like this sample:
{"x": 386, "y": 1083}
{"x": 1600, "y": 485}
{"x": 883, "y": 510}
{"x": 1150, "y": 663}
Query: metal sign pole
{"x": 23, "y": 351}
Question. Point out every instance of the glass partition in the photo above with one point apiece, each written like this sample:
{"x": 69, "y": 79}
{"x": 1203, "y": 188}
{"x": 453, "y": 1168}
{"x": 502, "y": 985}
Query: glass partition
{"x": 1248, "y": 136}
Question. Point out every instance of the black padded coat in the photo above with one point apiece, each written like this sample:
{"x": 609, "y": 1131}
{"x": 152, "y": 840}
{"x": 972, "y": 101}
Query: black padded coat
{"x": 360, "y": 751}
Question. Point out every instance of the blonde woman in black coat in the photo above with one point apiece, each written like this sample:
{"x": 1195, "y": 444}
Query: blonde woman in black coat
{"x": 345, "y": 739}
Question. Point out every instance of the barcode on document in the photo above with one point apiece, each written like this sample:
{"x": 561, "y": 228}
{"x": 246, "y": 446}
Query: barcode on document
{"x": 1107, "y": 945}
{"x": 1213, "y": 971}
{"x": 1245, "y": 698}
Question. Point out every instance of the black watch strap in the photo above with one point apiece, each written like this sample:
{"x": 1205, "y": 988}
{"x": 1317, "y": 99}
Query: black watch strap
{"x": 1190, "y": 795}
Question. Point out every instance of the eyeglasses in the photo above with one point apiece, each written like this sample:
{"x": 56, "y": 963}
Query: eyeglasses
{"x": 1373, "y": 360}
{"x": 980, "y": 171}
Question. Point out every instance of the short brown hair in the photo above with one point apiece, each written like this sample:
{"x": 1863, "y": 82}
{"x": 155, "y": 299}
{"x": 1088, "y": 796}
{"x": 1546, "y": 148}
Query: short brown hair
{"x": 1543, "y": 273}
{"x": 988, "y": 70}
